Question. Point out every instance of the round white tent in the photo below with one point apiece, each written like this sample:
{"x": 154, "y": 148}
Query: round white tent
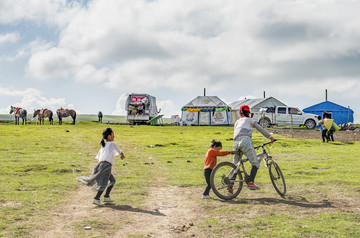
{"x": 206, "y": 111}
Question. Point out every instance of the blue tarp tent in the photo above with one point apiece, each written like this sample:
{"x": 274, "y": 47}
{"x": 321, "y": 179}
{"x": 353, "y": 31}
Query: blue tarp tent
{"x": 340, "y": 114}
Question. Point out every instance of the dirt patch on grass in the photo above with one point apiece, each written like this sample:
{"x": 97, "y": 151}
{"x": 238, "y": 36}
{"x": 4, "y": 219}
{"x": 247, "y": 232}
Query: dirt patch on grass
{"x": 171, "y": 211}
{"x": 10, "y": 204}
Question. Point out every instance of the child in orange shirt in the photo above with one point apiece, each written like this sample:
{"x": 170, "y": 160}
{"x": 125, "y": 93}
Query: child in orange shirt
{"x": 210, "y": 162}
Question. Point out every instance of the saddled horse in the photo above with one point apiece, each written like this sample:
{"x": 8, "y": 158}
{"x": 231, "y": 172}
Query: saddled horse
{"x": 66, "y": 113}
{"x": 100, "y": 115}
{"x": 42, "y": 113}
{"x": 19, "y": 112}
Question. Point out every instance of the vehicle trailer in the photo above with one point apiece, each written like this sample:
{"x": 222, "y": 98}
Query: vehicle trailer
{"x": 285, "y": 116}
{"x": 140, "y": 108}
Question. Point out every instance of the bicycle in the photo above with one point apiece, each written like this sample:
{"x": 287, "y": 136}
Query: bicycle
{"x": 227, "y": 176}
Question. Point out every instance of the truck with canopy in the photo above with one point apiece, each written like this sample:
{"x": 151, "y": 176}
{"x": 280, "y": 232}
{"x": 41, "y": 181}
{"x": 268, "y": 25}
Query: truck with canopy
{"x": 141, "y": 108}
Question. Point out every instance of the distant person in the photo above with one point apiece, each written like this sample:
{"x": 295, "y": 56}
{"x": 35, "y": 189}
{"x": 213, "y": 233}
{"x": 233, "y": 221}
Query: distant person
{"x": 243, "y": 130}
{"x": 101, "y": 174}
{"x": 326, "y": 122}
{"x": 210, "y": 163}
{"x": 323, "y": 130}
{"x": 100, "y": 116}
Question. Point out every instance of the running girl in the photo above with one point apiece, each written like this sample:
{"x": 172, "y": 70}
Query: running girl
{"x": 101, "y": 174}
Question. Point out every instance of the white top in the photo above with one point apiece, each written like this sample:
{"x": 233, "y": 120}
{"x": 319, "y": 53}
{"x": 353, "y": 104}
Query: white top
{"x": 108, "y": 152}
{"x": 244, "y": 127}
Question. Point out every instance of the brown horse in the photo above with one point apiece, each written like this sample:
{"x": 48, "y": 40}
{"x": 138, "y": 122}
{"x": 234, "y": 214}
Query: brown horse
{"x": 65, "y": 113}
{"x": 19, "y": 112}
{"x": 42, "y": 113}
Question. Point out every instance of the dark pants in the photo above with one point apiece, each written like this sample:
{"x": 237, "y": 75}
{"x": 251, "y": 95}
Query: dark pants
{"x": 330, "y": 135}
{"x": 207, "y": 173}
{"x": 324, "y": 135}
{"x": 112, "y": 180}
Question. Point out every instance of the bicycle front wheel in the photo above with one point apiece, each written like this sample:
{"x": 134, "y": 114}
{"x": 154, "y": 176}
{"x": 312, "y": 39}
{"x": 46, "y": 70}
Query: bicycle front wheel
{"x": 225, "y": 182}
{"x": 277, "y": 178}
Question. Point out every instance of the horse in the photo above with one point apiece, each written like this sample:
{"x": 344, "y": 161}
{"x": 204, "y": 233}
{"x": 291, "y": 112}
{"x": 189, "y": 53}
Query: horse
{"x": 65, "y": 113}
{"x": 100, "y": 115}
{"x": 19, "y": 112}
{"x": 44, "y": 113}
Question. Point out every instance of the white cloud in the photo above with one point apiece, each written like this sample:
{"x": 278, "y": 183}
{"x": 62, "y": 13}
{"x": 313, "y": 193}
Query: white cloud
{"x": 154, "y": 44}
{"x": 167, "y": 107}
{"x": 53, "y": 63}
{"x": 11, "y": 92}
{"x": 120, "y": 105}
{"x": 31, "y": 99}
{"x": 9, "y": 38}
{"x": 89, "y": 74}
{"x": 50, "y": 12}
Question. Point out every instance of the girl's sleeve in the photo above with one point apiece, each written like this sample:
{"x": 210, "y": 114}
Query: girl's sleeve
{"x": 221, "y": 153}
{"x": 117, "y": 149}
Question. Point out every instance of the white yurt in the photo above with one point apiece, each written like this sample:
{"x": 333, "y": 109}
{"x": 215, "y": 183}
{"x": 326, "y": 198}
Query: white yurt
{"x": 206, "y": 111}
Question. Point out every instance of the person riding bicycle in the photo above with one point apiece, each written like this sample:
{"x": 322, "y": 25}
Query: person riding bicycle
{"x": 243, "y": 130}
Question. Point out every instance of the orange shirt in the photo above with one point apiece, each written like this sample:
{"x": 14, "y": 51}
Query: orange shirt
{"x": 210, "y": 158}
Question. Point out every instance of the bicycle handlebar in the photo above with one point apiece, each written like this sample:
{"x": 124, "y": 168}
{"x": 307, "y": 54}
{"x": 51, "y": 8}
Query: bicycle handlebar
{"x": 256, "y": 147}
{"x": 263, "y": 144}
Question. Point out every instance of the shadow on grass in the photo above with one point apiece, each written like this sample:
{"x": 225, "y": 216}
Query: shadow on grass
{"x": 128, "y": 208}
{"x": 291, "y": 201}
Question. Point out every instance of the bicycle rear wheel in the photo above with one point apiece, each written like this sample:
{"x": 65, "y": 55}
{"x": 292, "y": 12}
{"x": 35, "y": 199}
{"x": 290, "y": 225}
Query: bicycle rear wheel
{"x": 223, "y": 181}
{"x": 277, "y": 178}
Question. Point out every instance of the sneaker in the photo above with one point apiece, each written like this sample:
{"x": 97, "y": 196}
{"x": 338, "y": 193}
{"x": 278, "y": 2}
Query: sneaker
{"x": 252, "y": 186}
{"x": 108, "y": 199}
{"x": 98, "y": 203}
{"x": 206, "y": 197}
{"x": 230, "y": 192}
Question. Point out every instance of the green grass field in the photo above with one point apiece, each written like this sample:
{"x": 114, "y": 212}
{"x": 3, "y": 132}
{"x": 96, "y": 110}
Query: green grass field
{"x": 39, "y": 165}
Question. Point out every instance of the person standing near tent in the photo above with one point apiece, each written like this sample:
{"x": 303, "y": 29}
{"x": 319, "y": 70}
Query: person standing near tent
{"x": 334, "y": 128}
{"x": 323, "y": 130}
{"x": 331, "y": 127}
{"x": 101, "y": 174}
{"x": 243, "y": 130}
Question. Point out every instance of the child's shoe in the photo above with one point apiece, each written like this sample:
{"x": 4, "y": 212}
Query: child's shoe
{"x": 230, "y": 192}
{"x": 98, "y": 203}
{"x": 252, "y": 186}
{"x": 108, "y": 199}
{"x": 206, "y": 197}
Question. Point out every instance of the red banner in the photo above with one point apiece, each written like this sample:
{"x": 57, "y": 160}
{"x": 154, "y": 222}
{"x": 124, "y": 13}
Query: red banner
{"x": 138, "y": 99}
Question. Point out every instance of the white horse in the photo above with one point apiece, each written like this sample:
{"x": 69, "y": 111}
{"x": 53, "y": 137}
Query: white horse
{"x": 19, "y": 112}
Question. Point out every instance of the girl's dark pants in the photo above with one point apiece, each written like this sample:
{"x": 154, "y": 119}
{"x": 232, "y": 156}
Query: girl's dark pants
{"x": 108, "y": 189}
{"x": 207, "y": 173}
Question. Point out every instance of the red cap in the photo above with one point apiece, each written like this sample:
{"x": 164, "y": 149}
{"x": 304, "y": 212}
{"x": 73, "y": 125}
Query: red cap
{"x": 244, "y": 108}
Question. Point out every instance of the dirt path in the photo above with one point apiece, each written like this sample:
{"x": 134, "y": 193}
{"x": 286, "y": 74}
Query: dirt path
{"x": 166, "y": 212}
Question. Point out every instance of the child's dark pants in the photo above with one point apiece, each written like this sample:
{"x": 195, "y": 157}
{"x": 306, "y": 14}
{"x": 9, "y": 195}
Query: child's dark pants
{"x": 207, "y": 173}
{"x": 324, "y": 135}
{"x": 108, "y": 189}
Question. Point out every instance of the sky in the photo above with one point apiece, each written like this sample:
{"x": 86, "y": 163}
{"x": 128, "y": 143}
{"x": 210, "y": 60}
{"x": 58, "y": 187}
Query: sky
{"x": 89, "y": 55}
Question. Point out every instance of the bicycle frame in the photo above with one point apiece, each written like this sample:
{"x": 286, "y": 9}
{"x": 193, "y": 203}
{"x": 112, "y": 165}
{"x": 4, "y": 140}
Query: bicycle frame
{"x": 226, "y": 175}
{"x": 264, "y": 155}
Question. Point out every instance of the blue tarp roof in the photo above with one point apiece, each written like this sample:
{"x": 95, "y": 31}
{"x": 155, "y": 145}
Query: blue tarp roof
{"x": 339, "y": 113}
